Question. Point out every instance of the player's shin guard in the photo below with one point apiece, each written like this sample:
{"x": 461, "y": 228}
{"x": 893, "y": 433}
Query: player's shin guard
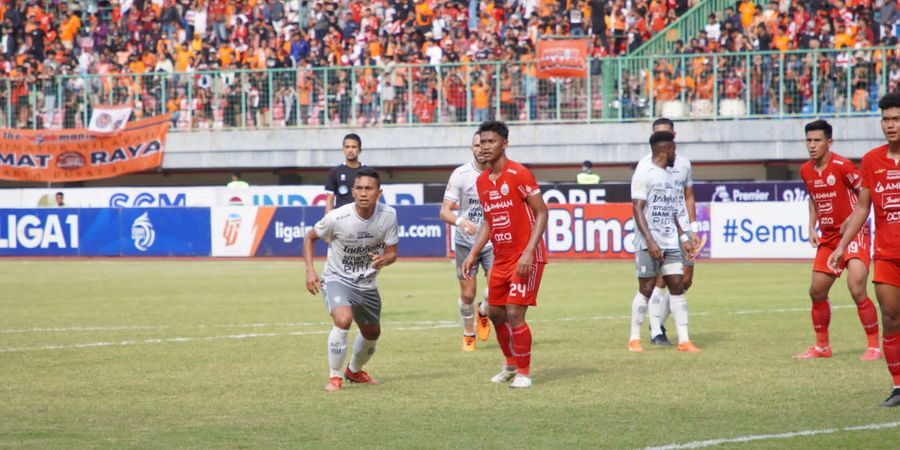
{"x": 504, "y": 340}
{"x": 363, "y": 349}
{"x": 890, "y": 344}
{"x": 521, "y": 346}
{"x": 638, "y": 309}
{"x": 868, "y": 317}
{"x": 680, "y": 312}
{"x": 665, "y": 302}
{"x": 821, "y": 319}
{"x": 337, "y": 351}
{"x": 659, "y": 296}
{"x": 467, "y": 313}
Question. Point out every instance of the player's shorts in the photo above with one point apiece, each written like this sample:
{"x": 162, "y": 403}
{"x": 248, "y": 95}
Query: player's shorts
{"x": 504, "y": 287}
{"x": 647, "y": 267}
{"x": 887, "y": 272}
{"x": 856, "y": 249}
{"x": 366, "y": 303}
{"x": 485, "y": 259}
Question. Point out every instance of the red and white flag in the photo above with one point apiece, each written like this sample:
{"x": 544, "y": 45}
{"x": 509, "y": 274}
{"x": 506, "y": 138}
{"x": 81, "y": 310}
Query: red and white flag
{"x": 109, "y": 119}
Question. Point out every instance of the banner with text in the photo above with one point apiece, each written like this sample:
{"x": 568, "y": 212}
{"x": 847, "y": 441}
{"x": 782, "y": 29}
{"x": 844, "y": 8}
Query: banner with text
{"x": 77, "y": 155}
{"x": 562, "y": 58}
{"x": 763, "y": 191}
{"x": 777, "y": 230}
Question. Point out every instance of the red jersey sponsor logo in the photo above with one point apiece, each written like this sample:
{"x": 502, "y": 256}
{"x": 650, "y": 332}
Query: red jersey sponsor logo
{"x": 494, "y": 195}
{"x": 892, "y": 217}
{"x": 499, "y": 238}
{"x": 879, "y": 188}
{"x": 488, "y": 207}
{"x": 893, "y": 174}
{"x": 824, "y": 195}
{"x": 824, "y": 207}
{"x": 500, "y": 220}
{"x": 819, "y": 184}
{"x": 890, "y": 201}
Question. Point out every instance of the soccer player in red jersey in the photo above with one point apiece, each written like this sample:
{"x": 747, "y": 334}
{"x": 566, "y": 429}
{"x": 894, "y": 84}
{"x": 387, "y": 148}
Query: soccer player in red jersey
{"x": 515, "y": 217}
{"x": 833, "y": 185}
{"x": 881, "y": 188}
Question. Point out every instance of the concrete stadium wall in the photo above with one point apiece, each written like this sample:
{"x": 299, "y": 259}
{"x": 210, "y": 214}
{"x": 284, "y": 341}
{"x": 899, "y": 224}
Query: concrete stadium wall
{"x": 723, "y": 142}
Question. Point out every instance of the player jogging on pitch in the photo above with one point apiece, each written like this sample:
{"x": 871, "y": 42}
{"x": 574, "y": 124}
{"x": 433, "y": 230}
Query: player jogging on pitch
{"x": 362, "y": 238}
{"x": 833, "y": 185}
{"x": 461, "y": 190}
{"x": 659, "y": 308}
{"x": 515, "y": 220}
{"x": 880, "y": 188}
{"x": 661, "y": 220}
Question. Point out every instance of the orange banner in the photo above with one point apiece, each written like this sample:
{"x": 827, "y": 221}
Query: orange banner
{"x": 77, "y": 155}
{"x": 562, "y": 58}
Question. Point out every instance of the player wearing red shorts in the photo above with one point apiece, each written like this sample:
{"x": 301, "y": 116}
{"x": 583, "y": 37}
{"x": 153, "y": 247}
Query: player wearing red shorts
{"x": 833, "y": 185}
{"x": 515, "y": 218}
{"x": 881, "y": 188}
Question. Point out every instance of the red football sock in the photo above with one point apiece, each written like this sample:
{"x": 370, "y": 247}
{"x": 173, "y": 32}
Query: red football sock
{"x": 503, "y": 339}
{"x": 521, "y": 338}
{"x": 821, "y": 318}
{"x": 869, "y": 319}
{"x": 890, "y": 344}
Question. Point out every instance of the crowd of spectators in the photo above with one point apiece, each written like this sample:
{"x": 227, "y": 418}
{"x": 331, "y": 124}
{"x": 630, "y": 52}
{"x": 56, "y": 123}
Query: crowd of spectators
{"x": 153, "y": 53}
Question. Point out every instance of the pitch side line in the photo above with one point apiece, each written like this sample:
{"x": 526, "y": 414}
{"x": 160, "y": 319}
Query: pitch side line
{"x": 425, "y": 323}
{"x": 761, "y": 437}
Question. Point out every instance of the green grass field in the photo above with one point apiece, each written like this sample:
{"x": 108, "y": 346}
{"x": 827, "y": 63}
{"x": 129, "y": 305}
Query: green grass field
{"x": 232, "y": 354}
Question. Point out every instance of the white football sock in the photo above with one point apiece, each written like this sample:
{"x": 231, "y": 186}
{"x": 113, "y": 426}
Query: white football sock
{"x": 337, "y": 351}
{"x": 655, "y": 310}
{"x": 467, "y": 312}
{"x": 363, "y": 349}
{"x": 638, "y": 309}
{"x": 680, "y": 312}
{"x": 664, "y": 301}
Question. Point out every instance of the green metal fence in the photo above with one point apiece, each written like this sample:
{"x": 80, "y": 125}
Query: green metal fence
{"x": 688, "y": 86}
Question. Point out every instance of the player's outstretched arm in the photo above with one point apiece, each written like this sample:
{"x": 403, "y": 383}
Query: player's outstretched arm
{"x": 851, "y": 227}
{"x": 536, "y": 203}
{"x": 388, "y": 258}
{"x": 484, "y": 234}
{"x": 813, "y": 218}
{"x": 312, "y": 278}
{"x": 637, "y": 210}
{"x": 448, "y": 216}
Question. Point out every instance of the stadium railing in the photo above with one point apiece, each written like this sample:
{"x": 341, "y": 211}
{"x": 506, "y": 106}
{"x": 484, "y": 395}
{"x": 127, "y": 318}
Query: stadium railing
{"x": 806, "y": 83}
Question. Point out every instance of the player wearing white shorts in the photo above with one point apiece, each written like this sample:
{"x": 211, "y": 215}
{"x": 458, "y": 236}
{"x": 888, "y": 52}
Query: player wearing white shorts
{"x": 661, "y": 219}
{"x": 362, "y": 238}
{"x": 461, "y": 191}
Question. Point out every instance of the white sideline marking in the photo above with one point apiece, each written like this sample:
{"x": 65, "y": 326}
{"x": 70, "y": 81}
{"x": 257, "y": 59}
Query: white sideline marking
{"x": 400, "y": 326}
{"x": 760, "y": 437}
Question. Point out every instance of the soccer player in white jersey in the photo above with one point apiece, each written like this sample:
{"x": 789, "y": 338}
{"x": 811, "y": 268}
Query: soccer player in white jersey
{"x": 461, "y": 190}
{"x": 362, "y": 238}
{"x": 660, "y": 218}
{"x": 659, "y": 308}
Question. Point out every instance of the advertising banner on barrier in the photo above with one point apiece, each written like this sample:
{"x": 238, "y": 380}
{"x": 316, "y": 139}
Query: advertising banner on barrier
{"x": 77, "y": 155}
{"x": 579, "y": 194}
{"x": 311, "y": 195}
{"x": 278, "y": 231}
{"x": 591, "y": 231}
{"x": 104, "y": 232}
{"x": 562, "y": 58}
{"x": 760, "y": 230}
{"x": 781, "y": 191}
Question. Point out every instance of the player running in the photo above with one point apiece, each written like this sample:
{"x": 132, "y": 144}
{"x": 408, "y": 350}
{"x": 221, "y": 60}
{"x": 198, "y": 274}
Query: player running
{"x": 461, "y": 191}
{"x": 661, "y": 220}
{"x": 362, "y": 238}
{"x": 659, "y": 308}
{"x": 515, "y": 220}
{"x": 880, "y": 188}
{"x": 833, "y": 185}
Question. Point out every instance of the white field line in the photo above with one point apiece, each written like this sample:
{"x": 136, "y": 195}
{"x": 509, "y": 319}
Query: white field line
{"x": 399, "y": 326}
{"x": 762, "y": 437}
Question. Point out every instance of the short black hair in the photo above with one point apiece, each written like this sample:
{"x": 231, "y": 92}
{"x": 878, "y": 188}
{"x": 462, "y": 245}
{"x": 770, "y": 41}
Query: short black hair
{"x": 496, "y": 126}
{"x": 60, "y": 194}
{"x": 820, "y": 124}
{"x": 354, "y": 137}
{"x": 368, "y": 172}
{"x": 663, "y": 121}
{"x": 661, "y": 136}
{"x": 891, "y": 100}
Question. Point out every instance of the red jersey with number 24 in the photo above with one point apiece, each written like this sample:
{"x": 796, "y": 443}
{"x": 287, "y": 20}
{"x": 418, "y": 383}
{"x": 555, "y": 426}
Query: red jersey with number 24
{"x": 506, "y": 210}
{"x": 881, "y": 175}
{"x": 834, "y": 193}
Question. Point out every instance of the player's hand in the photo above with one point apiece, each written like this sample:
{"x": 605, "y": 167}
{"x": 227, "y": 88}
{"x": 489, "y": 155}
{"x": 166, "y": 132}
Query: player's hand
{"x": 814, "y": 237}
{"x": 524, "y": 266}
{"x": 695, "y": 242}
{"x": 377, "y": 260}
{"x": 689, "y": 250}
{"x": 834, "y": 261}
{"x": 313, "y": 282}
{"x": 467, "y": 267}
{"x": 468, "y": 227}
{"x": 654, "y": 251}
